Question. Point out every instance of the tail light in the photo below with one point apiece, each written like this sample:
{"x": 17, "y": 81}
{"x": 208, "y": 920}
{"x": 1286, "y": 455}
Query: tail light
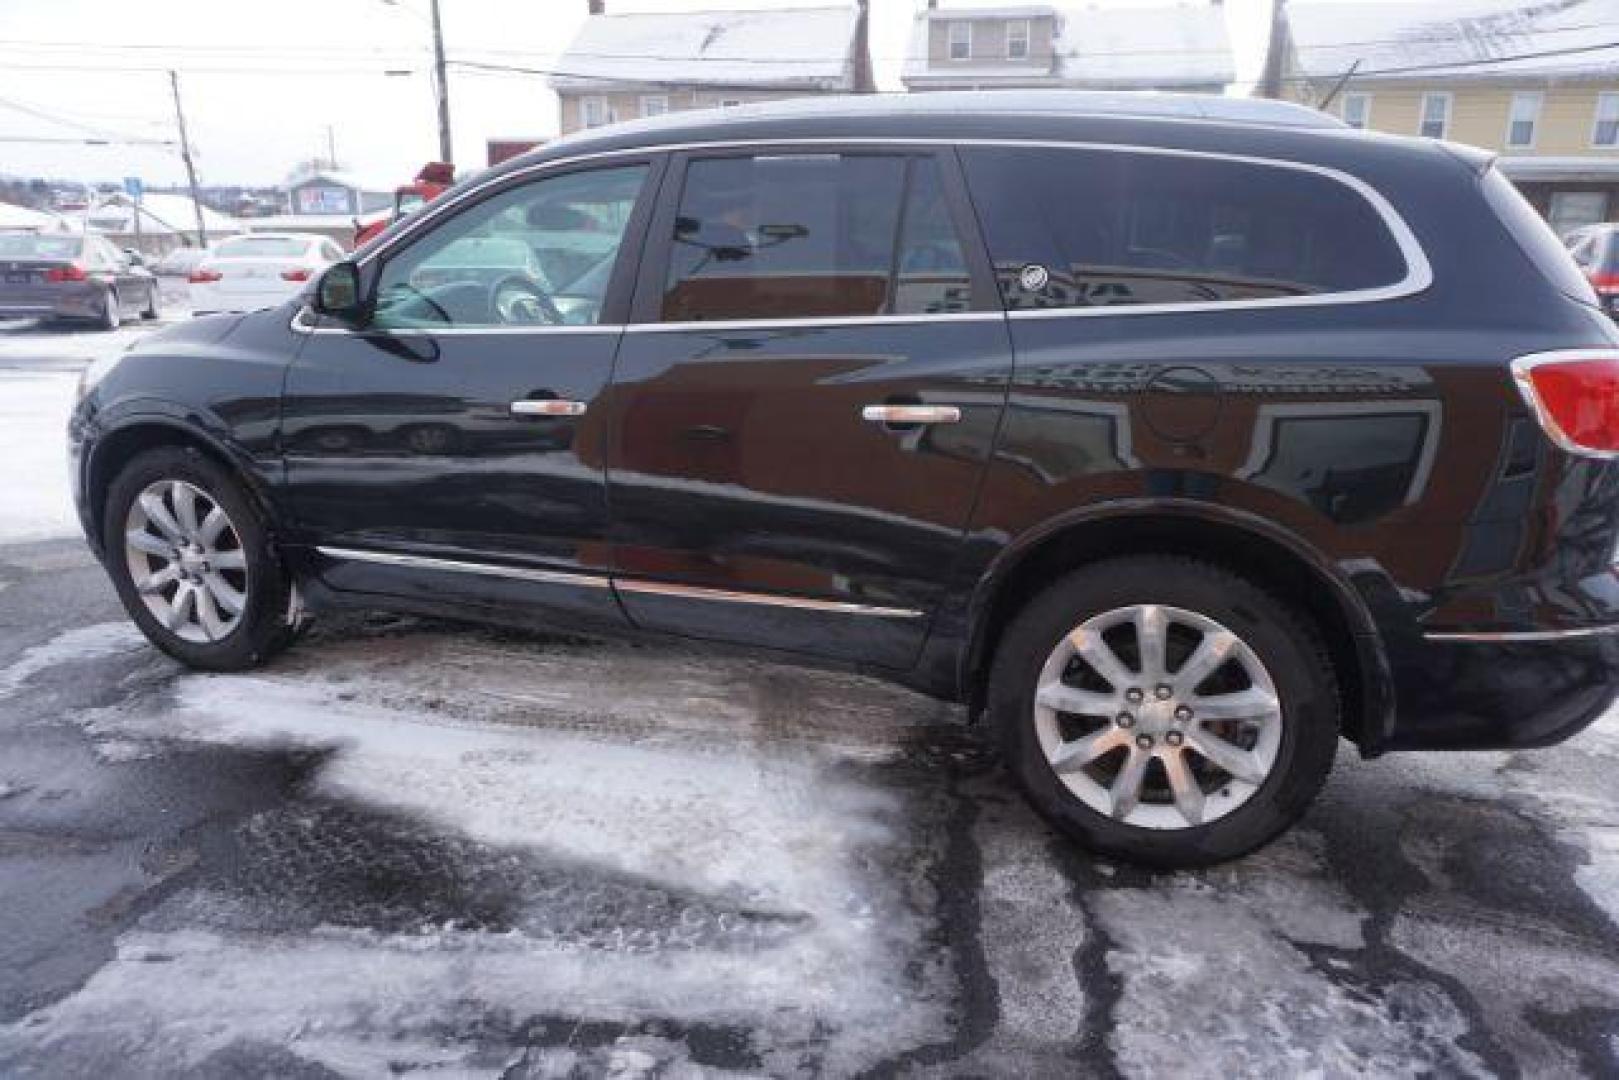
{"x": 1575, "y": 396}
{"x": 296, "y": 274}
{"x": 1604, "y": 281}
{"x": 204, "y": 277}
{"x": 70, "y": 272}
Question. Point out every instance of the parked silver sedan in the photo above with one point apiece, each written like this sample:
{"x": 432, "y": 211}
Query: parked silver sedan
{"x": 78, "y": 276}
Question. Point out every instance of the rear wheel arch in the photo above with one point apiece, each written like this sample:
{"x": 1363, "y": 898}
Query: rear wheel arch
{"x": 1264, "y": 555}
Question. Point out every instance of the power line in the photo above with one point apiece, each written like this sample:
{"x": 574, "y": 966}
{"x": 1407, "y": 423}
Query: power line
{"x": 101, "y": 134}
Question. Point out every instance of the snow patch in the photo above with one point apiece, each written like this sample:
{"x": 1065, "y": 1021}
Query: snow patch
{"x": 786, "y": 828}
{"x": 95, "y": 642}
{"x": 34, "y": 412}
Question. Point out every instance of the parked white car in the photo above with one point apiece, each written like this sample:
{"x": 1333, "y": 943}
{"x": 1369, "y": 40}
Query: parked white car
{"x": 260, "y": 270}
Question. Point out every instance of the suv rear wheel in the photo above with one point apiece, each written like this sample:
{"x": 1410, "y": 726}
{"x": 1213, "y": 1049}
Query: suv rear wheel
{"x": 1165, "y": 711}
{"x": 193, "y": 564}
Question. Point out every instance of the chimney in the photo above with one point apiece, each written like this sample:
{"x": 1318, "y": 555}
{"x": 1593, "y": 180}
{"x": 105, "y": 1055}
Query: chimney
{"x": 863, "y": 81}
{"x": 598, "y": 7}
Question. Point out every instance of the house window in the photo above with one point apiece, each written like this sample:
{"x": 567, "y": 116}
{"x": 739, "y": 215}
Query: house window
{"x": 730, "y": 102}
{"x": 961, "y": 40}
{"x": 1524, "y": 118}
{"x": 654, "y": 104}
{"x": 1357, "y": 110}
{"x": 593, "y": 111}
{"x": 1435, "y": 116}
{"x": 1605, "y": 132}
{"x": 1017, "y": 39}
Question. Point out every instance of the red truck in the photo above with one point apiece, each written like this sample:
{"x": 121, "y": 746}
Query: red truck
{"x": 432, "y": 181}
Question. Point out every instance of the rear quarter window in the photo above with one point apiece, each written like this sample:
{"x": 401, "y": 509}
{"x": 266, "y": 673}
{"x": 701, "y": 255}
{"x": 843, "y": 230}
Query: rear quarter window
{"x": 1531, "y": 233}
{"x": 1092, "y": 228}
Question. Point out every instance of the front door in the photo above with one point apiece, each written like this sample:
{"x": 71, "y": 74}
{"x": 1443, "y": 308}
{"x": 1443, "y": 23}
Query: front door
{"x": 805, "y": 403}
{"x": 451, "y": 445}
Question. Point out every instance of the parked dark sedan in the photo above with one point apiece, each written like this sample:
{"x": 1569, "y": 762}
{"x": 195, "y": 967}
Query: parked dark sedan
{"x": 1177, "y": 437}
{"x": 72, "y": 276}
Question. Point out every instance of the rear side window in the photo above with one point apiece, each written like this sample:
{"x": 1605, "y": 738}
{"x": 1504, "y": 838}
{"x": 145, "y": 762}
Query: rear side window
{"x": 813, "y": 235}
{"x": 1088, "y": 228}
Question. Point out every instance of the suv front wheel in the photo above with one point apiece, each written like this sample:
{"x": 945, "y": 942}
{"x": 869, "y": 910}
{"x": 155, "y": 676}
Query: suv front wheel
{"x": 1165, "y": 711}
{"x": 193, "y": 564}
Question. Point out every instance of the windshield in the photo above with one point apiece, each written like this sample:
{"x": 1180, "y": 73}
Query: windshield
{"x": 262, "y": 247}
{"x": 33, "y": 246}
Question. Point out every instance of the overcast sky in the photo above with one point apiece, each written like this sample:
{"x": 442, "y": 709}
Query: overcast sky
{"x": 263, "y": 80}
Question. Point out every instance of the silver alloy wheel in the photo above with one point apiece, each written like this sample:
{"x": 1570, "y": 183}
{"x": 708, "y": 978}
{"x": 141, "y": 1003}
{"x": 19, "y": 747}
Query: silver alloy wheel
{"x": 1160, "y": 747}
{"x": 186, "y": 560}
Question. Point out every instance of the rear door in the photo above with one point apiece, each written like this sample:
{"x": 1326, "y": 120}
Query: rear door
{"x": 451, "y": 447}
{"x": 806, "y": 400}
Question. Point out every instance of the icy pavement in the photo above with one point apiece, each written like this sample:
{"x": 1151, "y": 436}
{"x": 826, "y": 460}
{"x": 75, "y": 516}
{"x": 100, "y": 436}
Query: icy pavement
{"x": 412, "y": 848}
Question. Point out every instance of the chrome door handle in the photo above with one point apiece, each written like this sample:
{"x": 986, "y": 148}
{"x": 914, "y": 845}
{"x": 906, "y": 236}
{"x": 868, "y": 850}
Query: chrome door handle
{"x": 911, "y": 414}
{"x": 548, "y": 407}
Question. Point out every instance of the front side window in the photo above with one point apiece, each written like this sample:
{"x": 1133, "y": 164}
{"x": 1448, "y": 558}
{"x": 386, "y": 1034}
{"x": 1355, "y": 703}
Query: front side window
{"x": 1605, "y": 131}
{"x": 1017, "y": 39}
{"x": 1357, "y": 110}
{"x": 538, "y": 254}
{"x": 961, "y": 40}
{"x": 811, "y": 236}
{"x": 1435, "y": 116}
{"x": 1091, "y": 228}
{"x": 1523, "y": 118}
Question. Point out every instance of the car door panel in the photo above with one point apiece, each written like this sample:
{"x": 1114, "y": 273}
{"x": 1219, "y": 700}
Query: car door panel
{"x": 463, "y": 460}
{"x": 752, "y": 499}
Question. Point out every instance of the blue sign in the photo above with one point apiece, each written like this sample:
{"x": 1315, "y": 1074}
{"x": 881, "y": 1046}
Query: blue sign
{"x": 133, "y": 187}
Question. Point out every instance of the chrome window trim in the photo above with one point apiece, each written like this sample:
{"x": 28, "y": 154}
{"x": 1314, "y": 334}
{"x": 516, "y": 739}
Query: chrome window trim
{"x": 697, "y": 592}
{"x": 461, "y": 566}
{"x": 1508, "y": 637}
{"x": 1418, "y": 277}
{"x": 602, "y": 581}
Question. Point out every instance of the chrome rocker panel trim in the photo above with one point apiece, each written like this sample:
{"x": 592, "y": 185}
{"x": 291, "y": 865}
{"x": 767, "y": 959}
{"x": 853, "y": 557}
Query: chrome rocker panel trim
{"x": 597, "y": 581}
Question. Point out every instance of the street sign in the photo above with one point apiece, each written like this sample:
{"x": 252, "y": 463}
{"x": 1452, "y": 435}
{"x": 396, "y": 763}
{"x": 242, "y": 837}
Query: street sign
{"x": 133, "y": 187}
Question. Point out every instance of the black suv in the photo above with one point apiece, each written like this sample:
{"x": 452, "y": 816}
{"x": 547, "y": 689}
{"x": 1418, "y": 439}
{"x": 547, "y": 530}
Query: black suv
{"x": 1178, "y": 436}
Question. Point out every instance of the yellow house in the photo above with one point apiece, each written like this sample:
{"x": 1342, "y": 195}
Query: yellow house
{"x": 1536, "y": 83}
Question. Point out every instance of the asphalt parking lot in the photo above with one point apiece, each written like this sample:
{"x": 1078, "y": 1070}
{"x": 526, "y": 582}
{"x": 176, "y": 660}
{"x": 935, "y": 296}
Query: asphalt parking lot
{"x": 416, "y": 848}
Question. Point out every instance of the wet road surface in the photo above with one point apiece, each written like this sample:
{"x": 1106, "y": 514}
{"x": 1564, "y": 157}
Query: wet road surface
{"x": 413, "y": 847}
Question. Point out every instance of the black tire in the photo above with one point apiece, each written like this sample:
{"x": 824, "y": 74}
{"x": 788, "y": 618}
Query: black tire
{"x": 111, "y": 314}
{"x": 152, "y": 303}
{"x": 1285, "y": 642}
{"x": 266, "y": 624}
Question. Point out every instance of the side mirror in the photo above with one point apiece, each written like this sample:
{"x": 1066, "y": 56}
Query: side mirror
{"x": 134, "y": 257}
{"x": 338, "y": 292}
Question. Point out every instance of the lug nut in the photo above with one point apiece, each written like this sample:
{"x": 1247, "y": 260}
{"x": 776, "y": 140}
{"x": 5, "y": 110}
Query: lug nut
{"x": 1125, "y": 720}
{"x": 1133, "y": 696}
{"x": 1144, "y": 741}
{"x": 1163, "y": 693}
{"x": 1174, "y": 738}
{"x": 1183, "y": 713}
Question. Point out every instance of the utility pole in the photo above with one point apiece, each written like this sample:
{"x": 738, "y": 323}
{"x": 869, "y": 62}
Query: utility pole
{"x": 331, "y": 146}
{"x": 446, "y": 151}
{"x": 185, "y": 155}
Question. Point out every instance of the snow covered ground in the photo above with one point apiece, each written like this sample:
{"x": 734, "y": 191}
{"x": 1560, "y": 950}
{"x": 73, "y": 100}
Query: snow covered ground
{"x": 537, "y": 855}
{"x": 39, "y": 369}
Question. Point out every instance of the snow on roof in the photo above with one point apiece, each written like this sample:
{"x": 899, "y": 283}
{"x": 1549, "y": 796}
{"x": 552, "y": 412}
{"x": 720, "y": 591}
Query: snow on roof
{"x": 161, "y": 212}
{"x": 342, "y": 178}
{"x": 13, "y": 216}
{"x": 1112, "y": 48}
{"x": 788, "y": 48}
{"x": 1455, "y": 38}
